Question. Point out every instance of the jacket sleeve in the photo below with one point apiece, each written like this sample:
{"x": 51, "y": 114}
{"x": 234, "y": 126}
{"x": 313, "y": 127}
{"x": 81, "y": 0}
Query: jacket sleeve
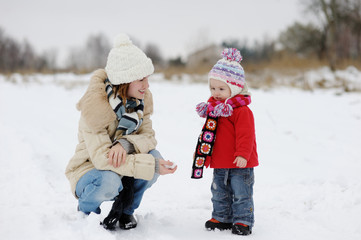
{"x": 144, "y": 139}
{"x": 245, "y": 132}
{"x": 141, "y": 166}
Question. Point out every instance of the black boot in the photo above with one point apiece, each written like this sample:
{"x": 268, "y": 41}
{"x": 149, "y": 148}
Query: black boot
{"x": 123, "y": 200}
{"x": 241, "y": 230}
{"x": 114, "y": 215}
{"x": 214, "y": 224}
{"x": 127, "y": 222}
{"x": 128, "y": 191}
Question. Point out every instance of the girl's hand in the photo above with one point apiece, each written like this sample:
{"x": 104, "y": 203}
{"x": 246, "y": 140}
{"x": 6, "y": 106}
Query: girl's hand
{"x": 163, "y": 170}
{"x": 117, "y": 155}
{"x": 240, "y": 162}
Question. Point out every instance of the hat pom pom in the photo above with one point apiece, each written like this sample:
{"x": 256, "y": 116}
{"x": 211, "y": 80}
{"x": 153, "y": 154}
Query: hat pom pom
{"x": 121, "y": 39}
{"x": 232, "y": 54}
{"x": 201, "y": 109}
{"x": 223, "y": 110}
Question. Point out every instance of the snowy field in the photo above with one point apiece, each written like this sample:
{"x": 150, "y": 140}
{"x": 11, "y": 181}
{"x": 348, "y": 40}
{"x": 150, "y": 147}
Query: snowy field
{"x": 308, "y": 184}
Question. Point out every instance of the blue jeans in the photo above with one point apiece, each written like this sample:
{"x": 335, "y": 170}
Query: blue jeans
{"x": 232, "y": 195}
{"x": 97, "y": 186}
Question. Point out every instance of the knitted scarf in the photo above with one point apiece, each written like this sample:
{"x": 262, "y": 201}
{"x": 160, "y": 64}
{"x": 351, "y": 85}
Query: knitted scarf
{"x": 130, "y": 116}
{"x": 211, "y": 111}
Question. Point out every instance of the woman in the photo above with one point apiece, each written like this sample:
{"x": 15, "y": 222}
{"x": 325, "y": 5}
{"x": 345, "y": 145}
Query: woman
{"x": 116, "y": 137}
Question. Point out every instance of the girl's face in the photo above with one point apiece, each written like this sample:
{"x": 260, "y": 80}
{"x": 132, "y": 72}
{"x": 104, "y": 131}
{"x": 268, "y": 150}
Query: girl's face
{"x": 137, "y": 88}
{"x": 219, "y": 90}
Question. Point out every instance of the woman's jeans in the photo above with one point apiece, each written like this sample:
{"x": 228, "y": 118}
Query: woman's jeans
{"x": 232, "y": 195}
{"x": 97, "y": 186}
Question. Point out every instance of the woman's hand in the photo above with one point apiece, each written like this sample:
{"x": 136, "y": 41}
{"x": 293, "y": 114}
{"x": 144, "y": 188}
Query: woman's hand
{"x": 117, "y": 155}
{"x": 163, "y": 170}
{"x": 240, "y": 162}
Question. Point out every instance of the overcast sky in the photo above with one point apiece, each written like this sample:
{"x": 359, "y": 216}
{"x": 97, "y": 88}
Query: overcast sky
{"x": 175, "y": 26}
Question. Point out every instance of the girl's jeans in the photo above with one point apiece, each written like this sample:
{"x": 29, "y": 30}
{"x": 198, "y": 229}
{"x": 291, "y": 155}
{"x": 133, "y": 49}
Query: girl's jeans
{"x": 232, "y": 195}
{"x": 97, "y": 186}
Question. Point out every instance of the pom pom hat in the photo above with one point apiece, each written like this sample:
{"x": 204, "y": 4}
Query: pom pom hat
{"x": 229, "y": 70}
{"x": 126, "y": 62}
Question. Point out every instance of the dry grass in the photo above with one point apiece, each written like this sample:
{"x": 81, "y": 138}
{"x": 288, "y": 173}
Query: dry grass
{"x": 283, "y": 64}
{"x": 282, "y": 70}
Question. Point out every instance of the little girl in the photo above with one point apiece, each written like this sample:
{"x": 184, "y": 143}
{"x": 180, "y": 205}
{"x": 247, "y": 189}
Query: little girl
{"x": 227, "y": 143}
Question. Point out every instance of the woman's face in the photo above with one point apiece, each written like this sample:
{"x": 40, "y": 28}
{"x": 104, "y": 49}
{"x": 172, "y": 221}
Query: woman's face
{"x": 137, "y": 88}
{"x": 219, "y": 90}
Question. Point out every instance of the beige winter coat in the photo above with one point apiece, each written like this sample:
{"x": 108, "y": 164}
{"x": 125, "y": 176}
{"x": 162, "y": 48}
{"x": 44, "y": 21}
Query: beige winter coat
{"x": 97, "y": 127}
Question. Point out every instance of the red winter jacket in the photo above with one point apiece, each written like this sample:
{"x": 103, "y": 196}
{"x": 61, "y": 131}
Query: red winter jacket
{"x": 235, "y": 137}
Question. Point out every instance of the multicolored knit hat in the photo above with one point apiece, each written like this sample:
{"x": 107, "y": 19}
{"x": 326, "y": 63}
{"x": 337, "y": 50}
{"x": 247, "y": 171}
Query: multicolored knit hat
{"x": 229, "y": 70}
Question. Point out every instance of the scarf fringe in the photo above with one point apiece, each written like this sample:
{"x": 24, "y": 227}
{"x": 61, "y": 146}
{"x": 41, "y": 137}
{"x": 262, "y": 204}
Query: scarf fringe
{"x": 223, "y": 110}
{"x": 201, "y": 109}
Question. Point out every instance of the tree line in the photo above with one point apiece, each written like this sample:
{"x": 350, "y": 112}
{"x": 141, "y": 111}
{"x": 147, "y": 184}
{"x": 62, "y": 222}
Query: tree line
{"x": 16, "y": 56}
{"x": 333, "y": 35}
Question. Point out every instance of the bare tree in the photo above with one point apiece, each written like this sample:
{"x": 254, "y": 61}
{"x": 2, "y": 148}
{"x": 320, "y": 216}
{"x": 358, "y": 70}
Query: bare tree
{"x": 9, "y": 53}
{"x": 341, "y": 22}
{"x": 22, "y": 57}
{"x": 75, "y": 59}
{"x": 96, "y": 52}
{"x": 93, "y": 55}
{"x": 153, "y": 52}
{"x": 50, "y": 57}
{"x": 353, "y": 20}
{"x": 28, "y": 58}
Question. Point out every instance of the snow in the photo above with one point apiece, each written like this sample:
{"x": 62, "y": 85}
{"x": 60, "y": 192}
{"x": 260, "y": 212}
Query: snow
{"x": 307, "y": 185}
{"x": 349, "y": 78}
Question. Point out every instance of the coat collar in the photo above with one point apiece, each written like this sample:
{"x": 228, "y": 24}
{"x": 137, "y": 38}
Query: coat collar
{"x": 94, "y": 105}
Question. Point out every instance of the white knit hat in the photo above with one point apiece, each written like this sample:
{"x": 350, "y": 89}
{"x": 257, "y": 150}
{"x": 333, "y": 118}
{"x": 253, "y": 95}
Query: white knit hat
{"x": 126, "y": 62}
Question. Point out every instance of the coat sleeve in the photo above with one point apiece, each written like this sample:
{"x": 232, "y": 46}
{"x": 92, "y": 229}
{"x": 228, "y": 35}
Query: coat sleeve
{"x": 141, "y": 166}
{"x": 245, "y": 133}
{"x": 144, "y": 139}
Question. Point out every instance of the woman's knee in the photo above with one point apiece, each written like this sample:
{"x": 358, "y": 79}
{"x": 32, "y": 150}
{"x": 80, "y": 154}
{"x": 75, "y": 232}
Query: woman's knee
{"x": 106, "y": 185}
{"x": 99, "y": 185}
{"x": 111, "y": 181}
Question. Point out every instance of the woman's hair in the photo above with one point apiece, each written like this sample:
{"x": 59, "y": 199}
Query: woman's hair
{"x": 122, "y": 91}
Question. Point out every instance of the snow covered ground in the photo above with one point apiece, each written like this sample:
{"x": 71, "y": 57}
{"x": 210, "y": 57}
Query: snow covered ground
{"x": 308, "y": 184}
